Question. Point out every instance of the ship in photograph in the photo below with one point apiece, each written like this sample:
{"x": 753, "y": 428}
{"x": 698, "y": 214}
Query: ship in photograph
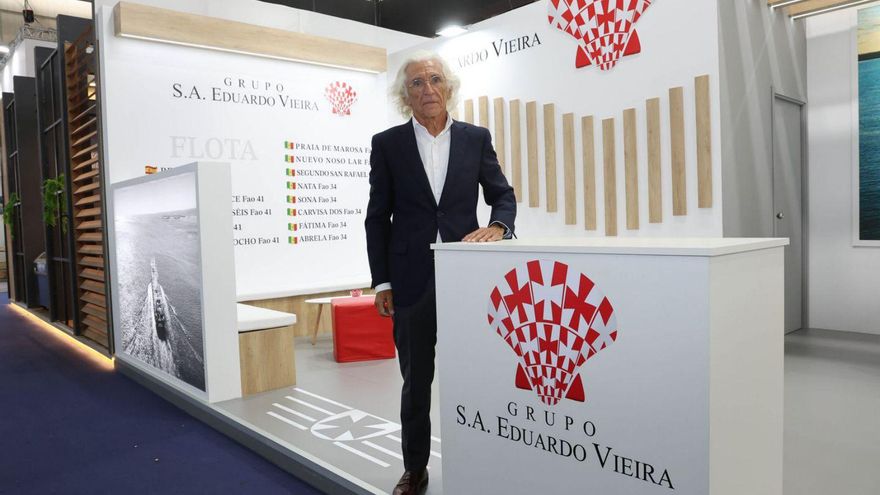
{"x": 157, "y": 296}
{"x": 160, "y": 292}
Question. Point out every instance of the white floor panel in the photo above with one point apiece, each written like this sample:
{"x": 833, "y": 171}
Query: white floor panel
{"x": 344, "y": 415}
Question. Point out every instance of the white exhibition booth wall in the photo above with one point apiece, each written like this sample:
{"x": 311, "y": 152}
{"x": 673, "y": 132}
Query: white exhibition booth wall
{"x": 843, "y": 276}
{"x": 297, "y": 136}
{"x": 520, "y": 55}
{"x": 292, "y": 140}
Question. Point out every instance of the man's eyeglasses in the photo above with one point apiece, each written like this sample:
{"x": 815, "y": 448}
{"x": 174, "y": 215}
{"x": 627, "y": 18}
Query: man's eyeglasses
{"x": 419, "y": 85}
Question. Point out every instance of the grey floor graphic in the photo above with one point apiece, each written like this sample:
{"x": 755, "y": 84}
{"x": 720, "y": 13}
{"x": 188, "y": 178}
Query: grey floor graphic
{"x": 345, "y": 415}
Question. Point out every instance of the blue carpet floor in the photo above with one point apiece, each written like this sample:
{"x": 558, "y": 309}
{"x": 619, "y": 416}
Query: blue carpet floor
{"x": 67, "y": 426}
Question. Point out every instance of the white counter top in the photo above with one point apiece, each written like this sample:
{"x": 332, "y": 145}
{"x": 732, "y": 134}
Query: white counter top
{"x": 254, "y": 318}
{"x": 694, "y": 246}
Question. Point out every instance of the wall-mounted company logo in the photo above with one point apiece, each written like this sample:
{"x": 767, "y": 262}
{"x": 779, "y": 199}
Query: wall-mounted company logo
{"x": 341, "y": 97}
{"x": 554, "y": 319}
{"x": 604, "y": 29}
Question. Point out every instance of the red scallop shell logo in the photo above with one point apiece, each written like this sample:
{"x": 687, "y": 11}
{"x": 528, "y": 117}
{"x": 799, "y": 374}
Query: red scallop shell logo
{"x": 554, "y": 319}
{"x": 341, "y": 97}
{"x": 604, "y": 29}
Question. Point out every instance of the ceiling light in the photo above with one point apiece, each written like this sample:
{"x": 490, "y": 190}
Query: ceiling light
{"x": 4, "y": 49}
{"x": 452, "y": 30}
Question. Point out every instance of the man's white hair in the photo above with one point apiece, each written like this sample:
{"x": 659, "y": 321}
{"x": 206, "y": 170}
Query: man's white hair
{"x": 399, "y": 91}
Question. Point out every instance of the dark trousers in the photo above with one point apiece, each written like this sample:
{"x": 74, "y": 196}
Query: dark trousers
{"x": 415, "y": 335}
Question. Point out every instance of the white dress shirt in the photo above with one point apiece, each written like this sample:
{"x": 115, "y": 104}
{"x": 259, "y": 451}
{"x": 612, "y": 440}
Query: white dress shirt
{"x": 434, "y": 152}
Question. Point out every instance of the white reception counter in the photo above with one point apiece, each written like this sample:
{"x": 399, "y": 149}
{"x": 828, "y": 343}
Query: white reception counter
{"x": 613, "y": 366}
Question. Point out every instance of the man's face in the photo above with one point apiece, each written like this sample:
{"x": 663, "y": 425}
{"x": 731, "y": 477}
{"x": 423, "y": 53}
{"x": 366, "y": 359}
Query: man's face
{"x": 426, "y": 89}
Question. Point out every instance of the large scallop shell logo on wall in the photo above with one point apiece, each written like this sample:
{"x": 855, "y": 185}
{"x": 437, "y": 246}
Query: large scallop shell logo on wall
{"x": 341, "y": 97}
{"x": 604, "y": 29}
{"x": 555, "y": 319}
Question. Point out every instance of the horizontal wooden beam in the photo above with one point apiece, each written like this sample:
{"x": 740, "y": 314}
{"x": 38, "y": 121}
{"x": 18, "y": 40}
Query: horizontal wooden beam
{"x": 812, "y": 6}
{"x": 133, "y": 20}
{"x": 806, "y": 7}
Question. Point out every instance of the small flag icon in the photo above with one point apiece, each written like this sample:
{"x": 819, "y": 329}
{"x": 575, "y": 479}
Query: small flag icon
{"x": 291, "y": 212}
{"x": 288, "y": 145}
{"x": 291, "y": 199}
{"x": 293, "y": 240}
{"x": 291, "y": 185}
{"x": 292, "y": 226}
{"x": 291, "y": 172}
{"x": 149, "y": 169}
{"x": 288, "y": 158}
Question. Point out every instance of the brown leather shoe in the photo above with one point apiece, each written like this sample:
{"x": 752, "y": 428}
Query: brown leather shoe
{"x": 412, "y": 483}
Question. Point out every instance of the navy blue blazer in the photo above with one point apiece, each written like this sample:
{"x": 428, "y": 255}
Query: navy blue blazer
{"x": 403, "y": 217}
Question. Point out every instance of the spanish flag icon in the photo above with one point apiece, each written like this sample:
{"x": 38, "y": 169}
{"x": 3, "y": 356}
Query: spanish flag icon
{"x": 291, "y": 172}
{"x": 293, "y": 240}
{"x": 291, "y": 185}
{"x": 291, "y": 199}
{"x": 292, "y": 226}
{"x": 150, "y": 170}
{"x": 291, "y": 212}
{"x": 288, "y": 145}
{"x": 288, "y": 158}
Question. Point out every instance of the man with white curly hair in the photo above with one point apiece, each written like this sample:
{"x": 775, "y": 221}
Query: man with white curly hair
{"x": 424, "y": 186}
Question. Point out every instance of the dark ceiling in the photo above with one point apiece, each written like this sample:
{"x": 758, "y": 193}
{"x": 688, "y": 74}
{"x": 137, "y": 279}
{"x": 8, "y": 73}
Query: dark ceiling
{"x": 421, "y": 17}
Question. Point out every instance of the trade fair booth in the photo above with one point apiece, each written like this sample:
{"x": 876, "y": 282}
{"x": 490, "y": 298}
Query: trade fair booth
{"x": 630, "y": 341}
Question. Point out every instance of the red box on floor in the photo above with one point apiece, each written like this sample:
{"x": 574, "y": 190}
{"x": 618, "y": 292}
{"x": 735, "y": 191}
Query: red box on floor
{"x": 359, "y": 333}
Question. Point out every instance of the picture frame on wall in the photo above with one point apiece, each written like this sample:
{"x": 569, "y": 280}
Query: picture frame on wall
{"x": 157, "y": 265}
{"x": 866, "y": 142}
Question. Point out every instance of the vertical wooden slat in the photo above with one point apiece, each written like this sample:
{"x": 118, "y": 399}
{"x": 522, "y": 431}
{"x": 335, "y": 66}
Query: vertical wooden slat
{"x": 516, "y": 149}
{"x": 676, "y": 132}
{"x": 631, "y": 168}
{"x": 550, "y": 156}
{"x": 532, "y": 152}
{"x": 610, "y": 172}
{"x": 483, "y": 103}
{"x": 704, "y": 142}
{"x": 86, "y": 172}
{"x": 589, "y": 157}
{"x": 500, "y": 139}
{"x": 568, "y": 169}
{"x": 469, "y": 111}
{"x": 655, "y": 189}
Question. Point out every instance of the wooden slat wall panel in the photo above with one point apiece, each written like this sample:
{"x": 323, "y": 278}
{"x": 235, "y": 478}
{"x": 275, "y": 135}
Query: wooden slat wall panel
{"x": 610, "y": 173}
{"x": 676, "y": 131}
{"x": 550, "y": 157}
{"x": 568, "y": 169}
{"x": 589, "y": 159}
{"x": 631, "y": 168}
{"x": 85, "y": 172}
{"x": 484, "y": 111}
{"x": 500, "y": 138}
{"x": 532, "y": 150}
{"x": 516, "y": 149}
{"x": 704, "y": 142}
{"x": 655, "y": 188}
{"x": 469, "y": 111}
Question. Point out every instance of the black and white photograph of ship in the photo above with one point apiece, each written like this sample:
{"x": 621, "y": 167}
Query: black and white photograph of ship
{"x": 159, "y": 283}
